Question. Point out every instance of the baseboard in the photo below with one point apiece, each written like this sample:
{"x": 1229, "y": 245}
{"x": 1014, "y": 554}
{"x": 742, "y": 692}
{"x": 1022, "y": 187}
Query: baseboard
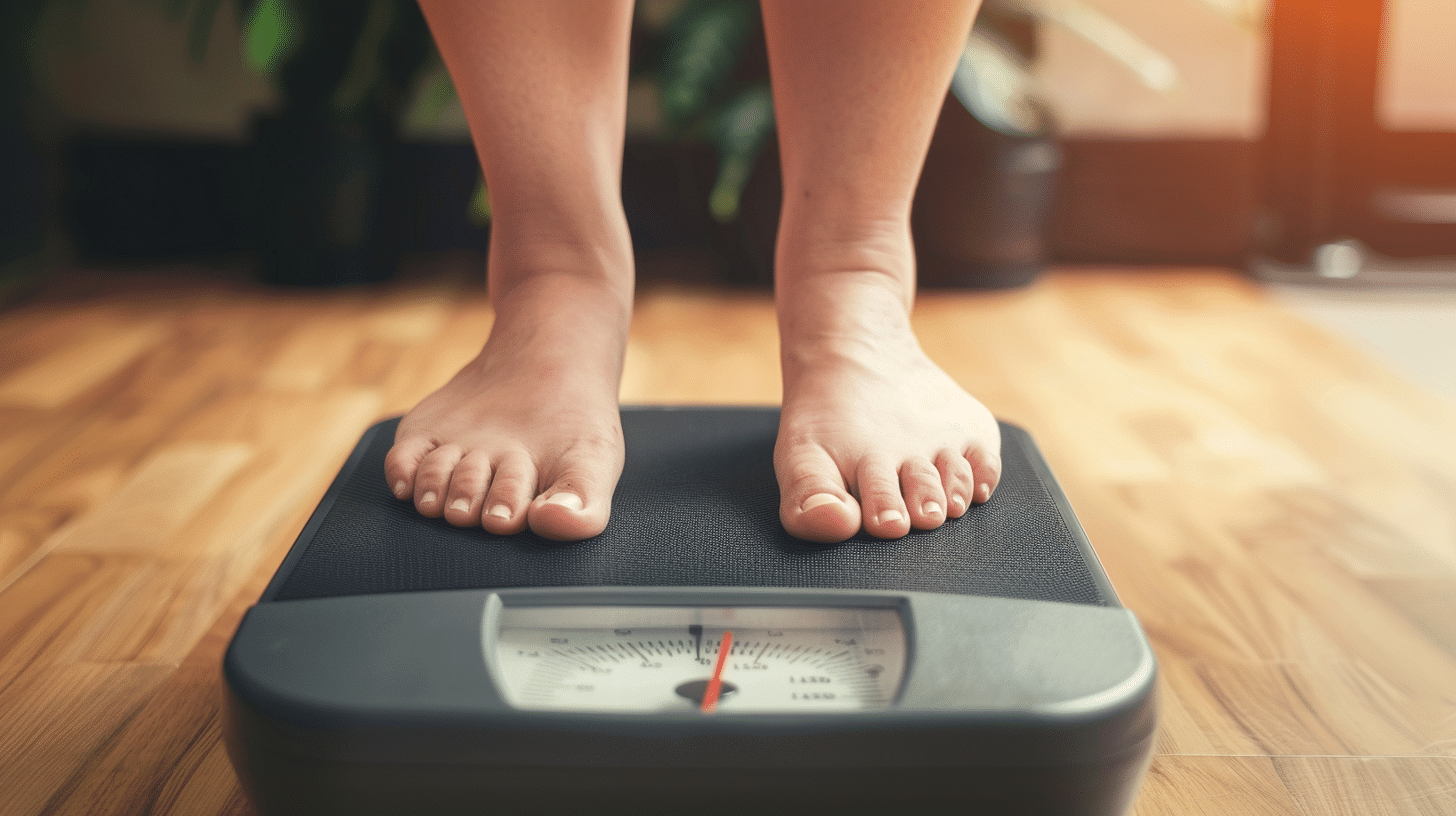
{"x": 1155, "y": 201}
{"x": 1118, "y": 201}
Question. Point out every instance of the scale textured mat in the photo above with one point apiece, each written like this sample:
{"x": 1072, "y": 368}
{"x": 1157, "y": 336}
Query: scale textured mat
{"x": 697, "y": 506}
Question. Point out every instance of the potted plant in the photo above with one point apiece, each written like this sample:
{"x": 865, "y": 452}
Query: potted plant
{"x": 325, "y": 171}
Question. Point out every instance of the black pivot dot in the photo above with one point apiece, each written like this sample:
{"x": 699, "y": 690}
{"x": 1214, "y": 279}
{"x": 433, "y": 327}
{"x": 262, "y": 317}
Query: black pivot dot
{"x": 695, "y": 689}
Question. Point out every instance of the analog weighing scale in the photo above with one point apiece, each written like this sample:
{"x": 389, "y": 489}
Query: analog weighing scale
{"x": 399, "y": 665}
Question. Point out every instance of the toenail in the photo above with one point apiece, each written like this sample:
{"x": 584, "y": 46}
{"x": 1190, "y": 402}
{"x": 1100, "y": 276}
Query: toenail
{"x": 428, "y": 498}
{"x": 500, "y": 511}
{"x": 817, "y": 500}
{"x": 570, "y": 501}
{"x": 931, "y": 508}
{"x": 958, "y": 504}
{"x": 401, "y": 490}
{"x": 983, "y": 492}
{"x": 890, "y": 516}
{"x": 460, "y": 504}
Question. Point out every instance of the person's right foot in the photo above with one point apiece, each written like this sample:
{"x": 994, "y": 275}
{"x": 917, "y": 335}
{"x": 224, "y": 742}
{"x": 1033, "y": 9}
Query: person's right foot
{"x": 528, "y": 433}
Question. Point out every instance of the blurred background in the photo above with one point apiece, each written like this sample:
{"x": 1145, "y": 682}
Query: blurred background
{"x": 318, "y": 143}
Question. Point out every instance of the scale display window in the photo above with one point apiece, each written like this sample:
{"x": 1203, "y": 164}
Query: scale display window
{"x": 663, "y": 659}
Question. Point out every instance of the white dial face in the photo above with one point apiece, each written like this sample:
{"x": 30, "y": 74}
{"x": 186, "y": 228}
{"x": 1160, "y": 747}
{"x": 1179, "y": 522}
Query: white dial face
{"x": 660, "y": 658}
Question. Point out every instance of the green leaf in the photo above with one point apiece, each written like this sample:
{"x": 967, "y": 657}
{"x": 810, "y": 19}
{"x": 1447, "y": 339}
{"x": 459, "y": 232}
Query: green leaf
{"x": 743, "y": 124}
{"x": 436, "y": 93}
{"x": 740, "y": 130}
{"x": 479, "y": 211}
{"x": 269, "y": 33}
{"x": 702, "y": 44}
{"x": 366, "y": 65}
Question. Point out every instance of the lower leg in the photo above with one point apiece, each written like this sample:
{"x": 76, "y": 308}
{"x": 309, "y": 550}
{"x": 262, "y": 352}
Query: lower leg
{"x": 528, "y": 432}
{"x": 874, "y": 434}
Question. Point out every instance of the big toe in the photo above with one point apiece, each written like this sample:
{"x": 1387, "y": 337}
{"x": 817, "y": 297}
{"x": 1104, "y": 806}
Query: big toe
{"x": 813, "y": 504}
{"x": 577, "y": 503}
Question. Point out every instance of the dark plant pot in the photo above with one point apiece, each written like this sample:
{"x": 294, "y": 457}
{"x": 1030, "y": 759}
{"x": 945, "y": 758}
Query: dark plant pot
{"x": 981, "y": 211}
{"x": 980, "y": 218}
{"x": 25, "y": 185}
{"x": 23, "y": 192}
{"x": 665, "y": 193}
{"x": 324, "y": 199}
{"x": 758, "y": 219}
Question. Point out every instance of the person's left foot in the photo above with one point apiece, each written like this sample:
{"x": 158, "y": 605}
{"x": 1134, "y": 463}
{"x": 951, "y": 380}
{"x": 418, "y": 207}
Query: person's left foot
{"x": 873, "y": 434}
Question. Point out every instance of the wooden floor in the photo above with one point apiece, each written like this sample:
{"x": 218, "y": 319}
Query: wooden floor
{"x": 1278, "y": 510}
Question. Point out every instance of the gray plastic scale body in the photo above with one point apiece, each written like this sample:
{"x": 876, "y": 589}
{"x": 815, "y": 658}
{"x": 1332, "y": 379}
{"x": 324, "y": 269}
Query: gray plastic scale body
{"x": 397, "y": 665}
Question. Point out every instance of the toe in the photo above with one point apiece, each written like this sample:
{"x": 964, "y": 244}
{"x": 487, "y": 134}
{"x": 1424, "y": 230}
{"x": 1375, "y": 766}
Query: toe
{"x": 885, "y": 515}
{"x": 468, "y": 483}
{"x": 432, "y": 479}
{"x": 512, "y": 487}
{"x": 987, "y": 467}
{"x": 571, "y": 509}
{"x": 813, "y": 504}
{"x": 402, "y": 462}
{"x": 959, "y": 482}
{"x": 578, "y": 500}
{"x": 924, "y": 494}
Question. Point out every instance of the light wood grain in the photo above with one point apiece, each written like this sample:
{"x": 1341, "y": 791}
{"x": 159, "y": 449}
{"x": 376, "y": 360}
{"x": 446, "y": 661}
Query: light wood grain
{"x": 43, "y": 755}
{"x": 62, "y": 375}
{"x": 1370, "y": 786}
{"x": 1278, "y": 509}
{"x": 1215, "y": 786}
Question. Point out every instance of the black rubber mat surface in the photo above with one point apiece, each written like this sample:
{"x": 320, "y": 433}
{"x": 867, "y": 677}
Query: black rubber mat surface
{"x": 697, "y": 506}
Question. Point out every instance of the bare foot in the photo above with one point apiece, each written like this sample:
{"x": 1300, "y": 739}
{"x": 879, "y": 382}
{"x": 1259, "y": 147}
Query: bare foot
{"x": 873, "y": 434}
{"x": 528, "y": 433}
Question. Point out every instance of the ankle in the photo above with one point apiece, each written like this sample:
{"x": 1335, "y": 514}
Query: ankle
{"x": 575, "y": 272}
{"x": 844, "y": 308}
{"x": 564, "y": 326}
{"x": 830, "y": 262}
{"x": 834, "y": 237}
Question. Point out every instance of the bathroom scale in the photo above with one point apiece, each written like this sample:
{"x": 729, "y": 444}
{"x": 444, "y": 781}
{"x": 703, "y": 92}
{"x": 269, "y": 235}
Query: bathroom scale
{"x": 692, "y": 659}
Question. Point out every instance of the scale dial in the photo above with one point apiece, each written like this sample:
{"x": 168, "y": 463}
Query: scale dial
{"x": 665, "y": 658}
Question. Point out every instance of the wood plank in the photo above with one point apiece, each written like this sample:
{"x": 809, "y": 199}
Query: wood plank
{"x": 168, "y": 759}
{"x": 55, "y": 720}
{"x": 203, "y": 781}
{"x": 314, "y": 352}
{"x": 23, "y": 532}
{"x": 706, "y": 347}
{"x": 64, "y": 374}
{"x": 305, "y": 441}
{"x": 152, "y": 765}
{"x": 1289, "y": 708}
{"x": 164, "y": 493}
{"x": 195, "y": 565}
{"x": 57, "y": 597}
{"x": 1214, "y": 786}
{"x": 1371, "y": 786}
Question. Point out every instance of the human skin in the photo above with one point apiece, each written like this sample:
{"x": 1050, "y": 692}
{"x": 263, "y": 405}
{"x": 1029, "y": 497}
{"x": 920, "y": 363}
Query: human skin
{"x": 873, "y": 434}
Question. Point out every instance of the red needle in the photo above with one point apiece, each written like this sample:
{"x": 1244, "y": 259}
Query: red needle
{"x": 710, "y": 695}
